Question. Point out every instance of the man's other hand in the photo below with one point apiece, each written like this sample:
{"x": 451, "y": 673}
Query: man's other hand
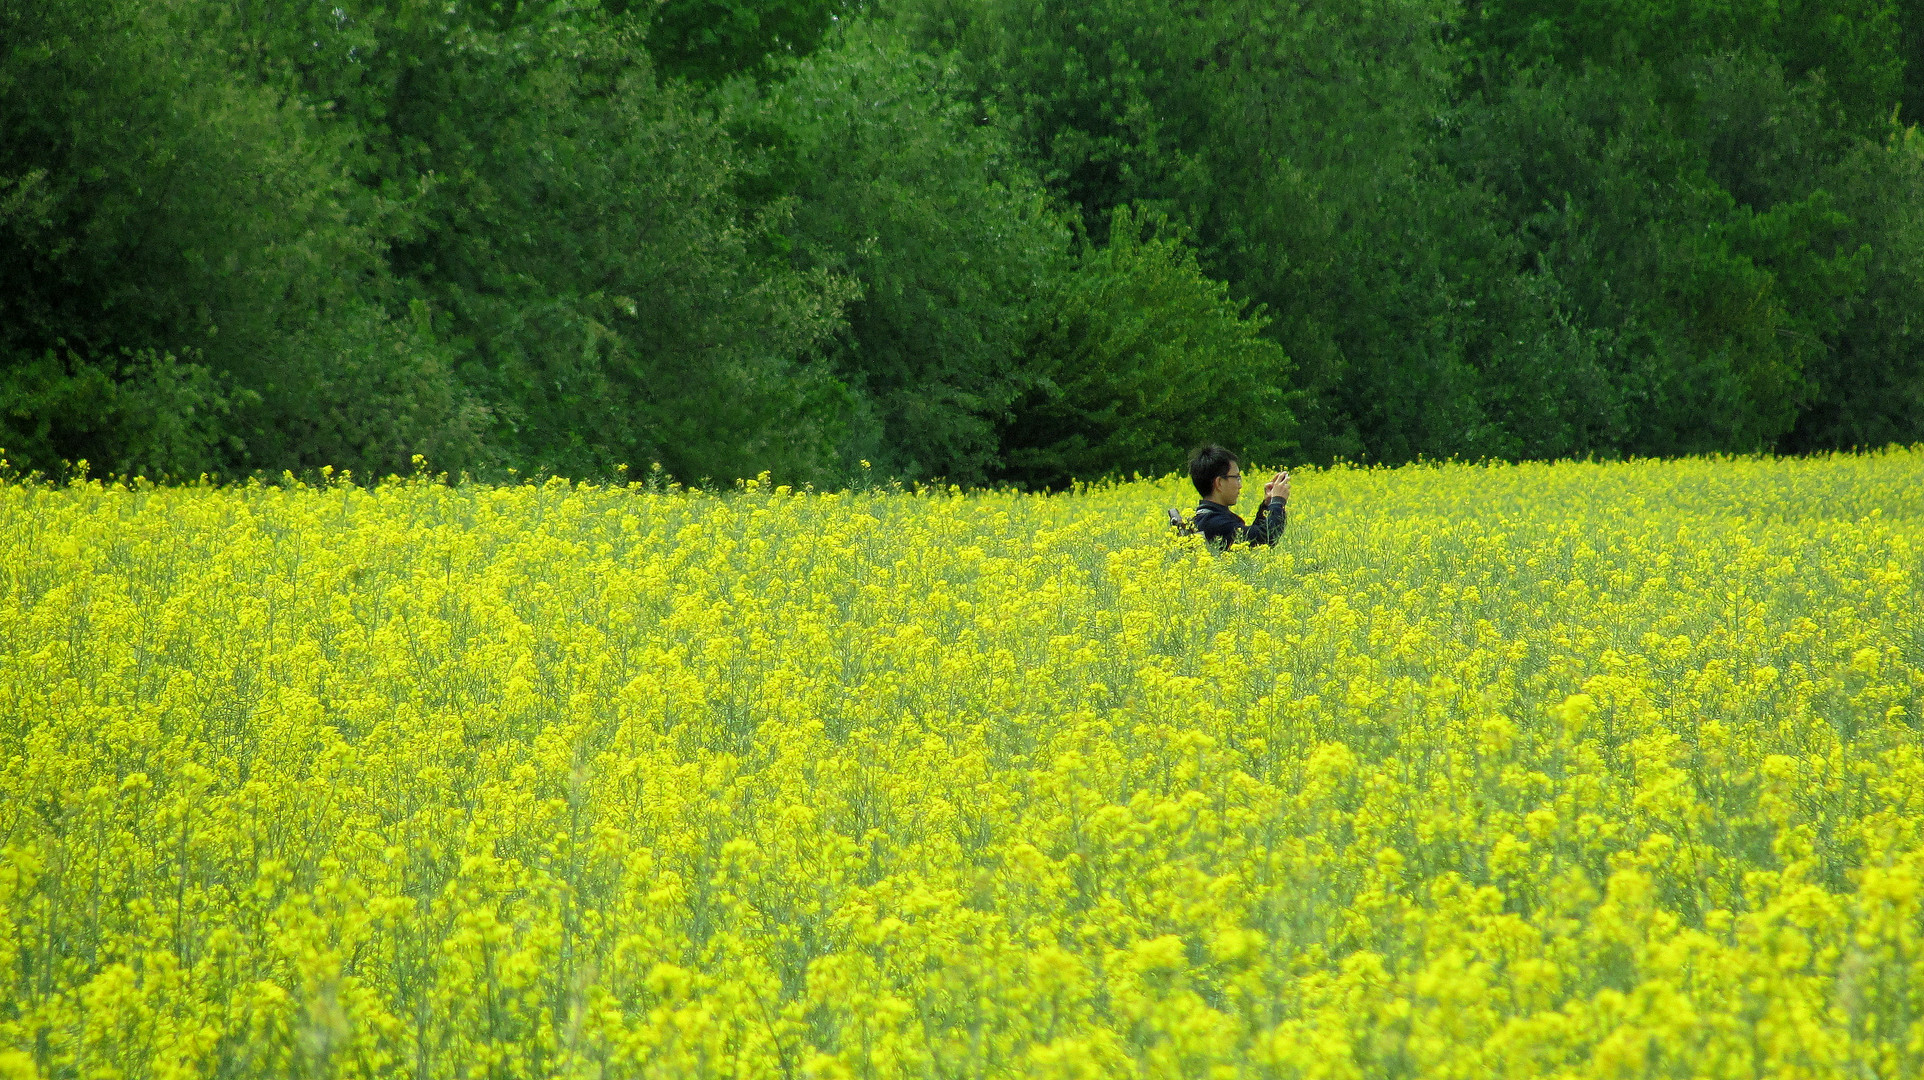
{"x": 1278, "y": 487}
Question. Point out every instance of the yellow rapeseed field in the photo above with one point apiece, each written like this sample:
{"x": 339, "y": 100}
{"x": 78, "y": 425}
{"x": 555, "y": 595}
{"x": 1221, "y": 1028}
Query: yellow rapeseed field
{"x": 1511, "y": 771}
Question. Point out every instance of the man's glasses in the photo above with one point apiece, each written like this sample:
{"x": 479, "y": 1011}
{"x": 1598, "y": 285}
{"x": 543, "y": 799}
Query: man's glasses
{"x": 1232, "y": 476}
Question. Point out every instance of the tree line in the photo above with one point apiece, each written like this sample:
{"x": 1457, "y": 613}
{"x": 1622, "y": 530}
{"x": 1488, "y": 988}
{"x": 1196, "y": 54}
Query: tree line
{"x": 980, "y": 240}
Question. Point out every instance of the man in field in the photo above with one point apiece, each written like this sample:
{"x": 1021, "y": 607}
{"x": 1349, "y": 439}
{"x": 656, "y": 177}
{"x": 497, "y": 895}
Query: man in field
{"x": 1219, "y": 480}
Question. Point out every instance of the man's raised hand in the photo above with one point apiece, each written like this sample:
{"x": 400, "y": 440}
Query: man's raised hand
{"x": 1278, "y": 486}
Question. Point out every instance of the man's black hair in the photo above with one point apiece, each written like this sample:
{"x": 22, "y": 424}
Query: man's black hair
{"x": 1207, "y": 465}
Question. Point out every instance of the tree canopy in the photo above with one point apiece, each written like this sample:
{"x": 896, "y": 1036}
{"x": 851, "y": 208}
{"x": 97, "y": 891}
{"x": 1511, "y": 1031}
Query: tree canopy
{"x": 980, "y": 240}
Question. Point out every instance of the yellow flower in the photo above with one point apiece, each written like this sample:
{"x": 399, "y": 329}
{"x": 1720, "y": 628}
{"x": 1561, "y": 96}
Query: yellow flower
{"x": 1574, "y": 770}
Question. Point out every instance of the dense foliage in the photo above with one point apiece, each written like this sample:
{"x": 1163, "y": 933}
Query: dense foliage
{"x": 1577, "y": 771}
{"x": 800, "y": 234}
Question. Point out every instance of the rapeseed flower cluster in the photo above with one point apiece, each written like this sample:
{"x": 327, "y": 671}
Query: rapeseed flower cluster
{"x": 1518, "y": 771}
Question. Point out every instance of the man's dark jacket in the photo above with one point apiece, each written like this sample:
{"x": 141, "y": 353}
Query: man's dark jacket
{"x": 1223, "y": 526}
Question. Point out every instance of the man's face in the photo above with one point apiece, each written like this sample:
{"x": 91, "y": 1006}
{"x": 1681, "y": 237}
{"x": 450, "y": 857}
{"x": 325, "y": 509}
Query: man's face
{"x": 1229, "y": 486}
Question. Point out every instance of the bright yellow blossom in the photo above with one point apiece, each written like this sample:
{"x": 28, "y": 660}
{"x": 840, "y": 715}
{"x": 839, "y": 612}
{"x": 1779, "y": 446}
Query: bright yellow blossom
{"x": 1567, "y": 771}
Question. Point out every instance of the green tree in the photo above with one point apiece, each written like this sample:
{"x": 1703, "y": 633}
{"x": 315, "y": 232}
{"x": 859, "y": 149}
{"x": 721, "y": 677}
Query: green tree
{"x": 571, "y": 225}
{"x": 1852, "y": 48}
{"x": 1501, "y": 229}
{"x": 883, "y": 175}
{"x": 1706, "y": 309}
{"x": 1143, "y": 357}
{"x": 707, "y": 41}
{"x": 1867, "y": 384}
{"x": 1910, "y": 51}
{"x": 1296, "y": 142}
{"x": 182, "y": 246}
{"x": 586, "y": 245}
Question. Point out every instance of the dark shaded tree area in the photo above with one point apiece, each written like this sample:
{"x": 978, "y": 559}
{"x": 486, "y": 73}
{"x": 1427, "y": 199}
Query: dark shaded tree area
{"x": 984, "y": 240}
{"x": 1513, "y": 229}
